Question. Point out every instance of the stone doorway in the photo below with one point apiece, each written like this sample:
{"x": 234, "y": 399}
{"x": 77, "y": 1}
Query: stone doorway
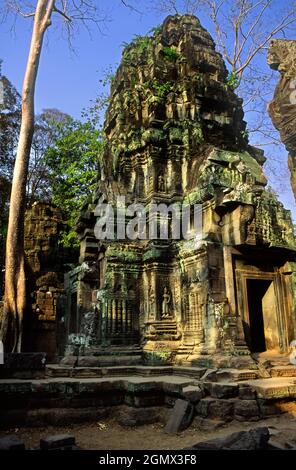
{"x": 263, "y": 301}
{"x": 261, "y": 327}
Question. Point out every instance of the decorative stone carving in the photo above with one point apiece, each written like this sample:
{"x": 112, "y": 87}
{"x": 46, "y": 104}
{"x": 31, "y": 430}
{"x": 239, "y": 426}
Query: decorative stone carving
{"x": 166, "y": 299}
{"x": 175, "y": 134}
{"x": 46, "y": 262}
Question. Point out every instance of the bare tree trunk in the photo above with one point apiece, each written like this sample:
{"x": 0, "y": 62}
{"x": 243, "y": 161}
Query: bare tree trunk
{"x": 15, "y": 286}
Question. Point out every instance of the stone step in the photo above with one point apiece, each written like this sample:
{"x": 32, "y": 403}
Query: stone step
{"x": 236, "y": 375}
{"x": 58, "y": 371}
{"x": 114, "y": 351}
{"x": 108, "y": 371}
{"x": 274, "y": 388}
{"x": 283, "y": 371}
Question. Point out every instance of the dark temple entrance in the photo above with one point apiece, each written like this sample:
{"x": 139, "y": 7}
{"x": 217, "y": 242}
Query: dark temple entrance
{"x": 261, "y": 331}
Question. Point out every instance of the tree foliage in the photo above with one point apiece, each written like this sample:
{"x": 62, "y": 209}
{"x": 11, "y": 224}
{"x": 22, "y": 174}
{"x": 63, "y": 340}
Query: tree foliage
{"x": 73, "y": 165}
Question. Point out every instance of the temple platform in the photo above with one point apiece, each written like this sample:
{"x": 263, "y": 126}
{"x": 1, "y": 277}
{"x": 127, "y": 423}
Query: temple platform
{"x": 68, "y": 394}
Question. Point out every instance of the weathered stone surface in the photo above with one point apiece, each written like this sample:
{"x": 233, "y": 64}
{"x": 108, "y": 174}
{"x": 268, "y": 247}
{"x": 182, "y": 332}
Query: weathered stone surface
{"x": 93, "y": 361}
{"x": 236, "y": 375}
{"x": 11, "y": 443}
{"x": 57, "y": 441}
{"x": 269, "y": 408}
{"x": 221, "y": 390}
{"x": 221, "y": 409}
{"x": 246, "y": 410}
{"x": 283, "y": 371}
{"x": 180, "y": 418}
{"x": 254, "y": 439}
{"x": 69, "y": 361}
{"x": 282, "y": 57}
{"x": 210, "y": 376}
{"x": 45, "y": 267}
{"x": 274, "y": 388}
{"x": 246, "y": 392}
{"x": 24, "y": 361}
{"x": 192, "y": 393}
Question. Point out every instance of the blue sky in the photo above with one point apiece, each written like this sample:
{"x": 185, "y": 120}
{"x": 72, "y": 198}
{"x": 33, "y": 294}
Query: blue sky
{"x": 69, "y": 79}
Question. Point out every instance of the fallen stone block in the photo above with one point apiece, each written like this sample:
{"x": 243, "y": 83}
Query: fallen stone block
{"x": 254, "y": 439}
{"x": 57, "y": 441}
{"x": 11, "y": 443}
{"x": 181, "y": 417}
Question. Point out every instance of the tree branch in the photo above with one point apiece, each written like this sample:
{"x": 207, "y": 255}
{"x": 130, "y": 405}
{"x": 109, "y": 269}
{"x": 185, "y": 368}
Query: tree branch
{"x": 265, "y": 41}
{"x": 14, "y": 6}
{"x": 62, "y": 13}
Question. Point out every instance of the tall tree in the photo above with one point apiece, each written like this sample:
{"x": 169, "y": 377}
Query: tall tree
{"x": 10, "y": 115}
{"x": 42, "y": 13}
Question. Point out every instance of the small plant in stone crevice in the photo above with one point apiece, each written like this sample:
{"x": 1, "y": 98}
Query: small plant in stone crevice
{"x": 232, "y": 80}
{"x": 138, "y": 46}
{"x": 160, "y": 89}
{"x": 141, "y": 43}
{"x": 170, "y": 53}
{"x": 245, "y": 134}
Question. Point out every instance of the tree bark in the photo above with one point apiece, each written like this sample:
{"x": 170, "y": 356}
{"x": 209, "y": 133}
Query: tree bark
{"x": 15, "y": 281}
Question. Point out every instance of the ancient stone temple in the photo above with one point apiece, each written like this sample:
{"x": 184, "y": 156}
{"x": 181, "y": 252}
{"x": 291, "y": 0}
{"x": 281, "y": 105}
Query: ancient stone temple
{"x": 46, "y": 263}
{"x": 282, "y": 57}
{"x": 175, "y": 135}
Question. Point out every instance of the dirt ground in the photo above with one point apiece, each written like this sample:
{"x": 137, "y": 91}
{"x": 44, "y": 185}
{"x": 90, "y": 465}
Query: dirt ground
{"x": 109, "y": 435}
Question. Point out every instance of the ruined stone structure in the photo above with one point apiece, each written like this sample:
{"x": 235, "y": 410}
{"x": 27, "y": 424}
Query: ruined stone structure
{"x": 175, "y": 134}
{"x": 46, "y": 262}
{"x": 282, "y": 57}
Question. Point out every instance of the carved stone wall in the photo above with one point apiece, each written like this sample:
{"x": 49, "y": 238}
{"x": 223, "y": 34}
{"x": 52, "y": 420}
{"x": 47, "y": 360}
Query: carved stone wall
{"x": 282, "y": 109}
{"x": 46, "y": 262}
{"x": 175, "y": 134}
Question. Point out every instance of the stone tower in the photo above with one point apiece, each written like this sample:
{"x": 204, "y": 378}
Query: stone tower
{"x": 175, "y": 135}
